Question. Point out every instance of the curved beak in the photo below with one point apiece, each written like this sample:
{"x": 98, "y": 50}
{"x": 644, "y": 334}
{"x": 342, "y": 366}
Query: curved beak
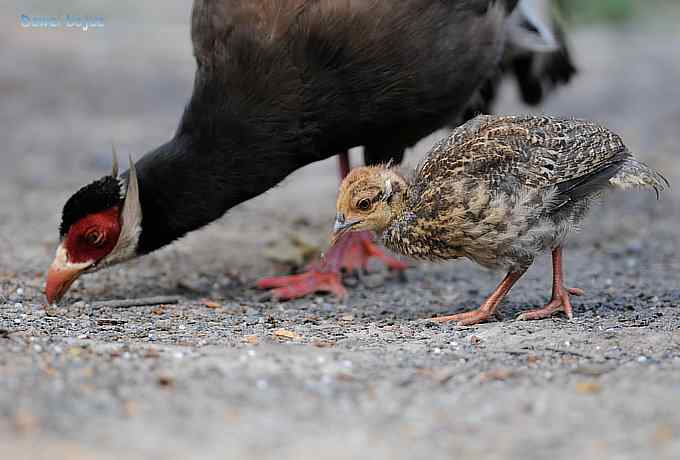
{"x": 61, "y": 275}
{"x": 341, "y": 226}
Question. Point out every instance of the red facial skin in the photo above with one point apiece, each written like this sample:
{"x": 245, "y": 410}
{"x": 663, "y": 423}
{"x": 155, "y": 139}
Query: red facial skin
{"x": 93, "y": 236}
{"x": 87, "y": 242}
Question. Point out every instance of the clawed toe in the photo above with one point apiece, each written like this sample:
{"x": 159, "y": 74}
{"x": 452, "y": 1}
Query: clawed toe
{"x": 465, "y": 319}
{"x": 350, "y": 254}
{"x": 559, "y": 303}
{"x": 575, "y": 291}
{"x": 295, "y": 286}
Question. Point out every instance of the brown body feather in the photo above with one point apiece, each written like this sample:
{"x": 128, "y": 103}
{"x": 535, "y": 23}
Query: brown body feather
{"x": 499, "y": 190}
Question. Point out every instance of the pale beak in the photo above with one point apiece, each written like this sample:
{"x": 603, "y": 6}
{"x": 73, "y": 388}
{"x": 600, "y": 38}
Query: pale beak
{"x": 61, "y": 275}
{"x": 341, "y": 226}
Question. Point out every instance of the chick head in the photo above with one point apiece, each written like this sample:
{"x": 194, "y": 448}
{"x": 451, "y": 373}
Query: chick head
{"x": 369, "y": 198}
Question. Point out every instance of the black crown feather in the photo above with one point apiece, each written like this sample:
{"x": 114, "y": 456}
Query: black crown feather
{"x": 101, "y": 194}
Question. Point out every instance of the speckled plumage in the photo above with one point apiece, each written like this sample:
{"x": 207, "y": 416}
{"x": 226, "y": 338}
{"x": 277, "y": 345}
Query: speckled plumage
{"x": 499, "y": 190}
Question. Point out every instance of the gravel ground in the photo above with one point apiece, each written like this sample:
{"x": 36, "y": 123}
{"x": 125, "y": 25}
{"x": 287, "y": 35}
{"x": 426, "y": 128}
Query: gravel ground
{"x": 314, "y": 378}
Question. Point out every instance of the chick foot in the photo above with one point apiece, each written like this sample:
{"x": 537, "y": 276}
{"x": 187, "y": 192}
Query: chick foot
{"x": 559, "y": 302}
{"x": 468, "y": 318}
{"x": 351, "y": 252}
{"x": 560, "y": 295}
{"x": 488, "y": 309}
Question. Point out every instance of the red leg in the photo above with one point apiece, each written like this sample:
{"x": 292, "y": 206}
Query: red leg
{"x": 560, "y": 295}
{"x": 350, "y": 252}
{"x": 488, "y": 308}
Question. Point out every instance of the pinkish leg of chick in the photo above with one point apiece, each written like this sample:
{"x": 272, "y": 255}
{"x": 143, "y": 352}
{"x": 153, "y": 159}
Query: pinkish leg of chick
{"x": 560, "y": 295}
{"x": 351, "y": 252}
{"x": 488, "y": 309}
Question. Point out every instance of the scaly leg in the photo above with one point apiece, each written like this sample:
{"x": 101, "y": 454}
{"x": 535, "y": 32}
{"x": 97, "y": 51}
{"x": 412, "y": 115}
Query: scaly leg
{"x": 351, "y": 252}
{"x": 488, "y": 308}
{"x": 560, "y": 295}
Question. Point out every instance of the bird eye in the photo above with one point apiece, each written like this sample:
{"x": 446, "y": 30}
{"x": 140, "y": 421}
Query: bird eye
{"x": 364, "y": 204}
{"x": 94, "y": 238}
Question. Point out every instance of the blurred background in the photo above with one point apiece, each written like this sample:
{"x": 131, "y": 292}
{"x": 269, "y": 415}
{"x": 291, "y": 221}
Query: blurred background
{"x": 67, "y": 95}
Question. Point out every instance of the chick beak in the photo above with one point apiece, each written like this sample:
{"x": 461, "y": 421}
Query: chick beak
{"x": 341, "y": 226}
{"x": 61, "y": 275}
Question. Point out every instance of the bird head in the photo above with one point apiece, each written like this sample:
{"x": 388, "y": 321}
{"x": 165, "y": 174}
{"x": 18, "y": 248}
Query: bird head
{"x": 369, "y": 198}
{"x": 100, "y": 227}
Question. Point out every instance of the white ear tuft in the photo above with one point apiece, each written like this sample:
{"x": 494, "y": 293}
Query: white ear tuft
{"x": 131, "y": 223}
{"x": 114, "y": 168}
{"x": 132, "y": 210}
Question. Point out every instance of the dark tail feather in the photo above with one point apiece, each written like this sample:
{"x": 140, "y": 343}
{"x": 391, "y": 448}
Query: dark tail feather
{"x": 582, "y": 187}
{"x": 539, "y": 55}
{"x": 536, "y": 54}
{"x": 636, "y": 174}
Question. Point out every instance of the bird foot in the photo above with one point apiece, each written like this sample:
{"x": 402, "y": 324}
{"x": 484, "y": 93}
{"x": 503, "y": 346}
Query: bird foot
{"x": 468, "y": 318}
{"x": 352, "y": 252}
{"x": 295, "y": 286}
{"x": 559, "y": 302}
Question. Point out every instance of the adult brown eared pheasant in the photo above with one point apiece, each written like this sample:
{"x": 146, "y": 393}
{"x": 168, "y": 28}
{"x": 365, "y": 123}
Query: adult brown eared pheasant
{"x": 281, "y": 84}
{"x": 499, "y": 191}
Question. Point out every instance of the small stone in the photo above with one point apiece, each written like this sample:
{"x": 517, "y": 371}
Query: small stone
{"x": 166, "y": 381}
{"x": 588, "y": 387}
{"x": 285, "y": 334}
{"x": 373, "y": 280}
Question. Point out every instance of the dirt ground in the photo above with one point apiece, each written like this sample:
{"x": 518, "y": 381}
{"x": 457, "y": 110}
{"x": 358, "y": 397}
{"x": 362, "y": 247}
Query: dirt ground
{"x": 363, "y": 378}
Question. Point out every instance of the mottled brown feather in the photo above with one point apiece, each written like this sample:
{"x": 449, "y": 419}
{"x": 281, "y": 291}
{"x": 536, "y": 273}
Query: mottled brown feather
{"x": 498, "y": 190}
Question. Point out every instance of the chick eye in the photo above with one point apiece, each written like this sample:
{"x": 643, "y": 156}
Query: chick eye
{"x": 94, "y": 238}
{"x": 364, "y": 204}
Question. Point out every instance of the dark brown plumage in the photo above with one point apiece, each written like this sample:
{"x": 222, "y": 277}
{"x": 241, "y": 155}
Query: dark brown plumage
{"x": 498, "y": 190}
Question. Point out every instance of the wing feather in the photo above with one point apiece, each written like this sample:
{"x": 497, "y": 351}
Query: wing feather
{"x": 535, "y": 152}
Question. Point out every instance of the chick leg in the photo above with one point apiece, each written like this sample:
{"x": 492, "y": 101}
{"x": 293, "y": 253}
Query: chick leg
{"x": 560, "y": 295}
{"x": 351, "y": 252}
{"x": 488, "y": 309}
